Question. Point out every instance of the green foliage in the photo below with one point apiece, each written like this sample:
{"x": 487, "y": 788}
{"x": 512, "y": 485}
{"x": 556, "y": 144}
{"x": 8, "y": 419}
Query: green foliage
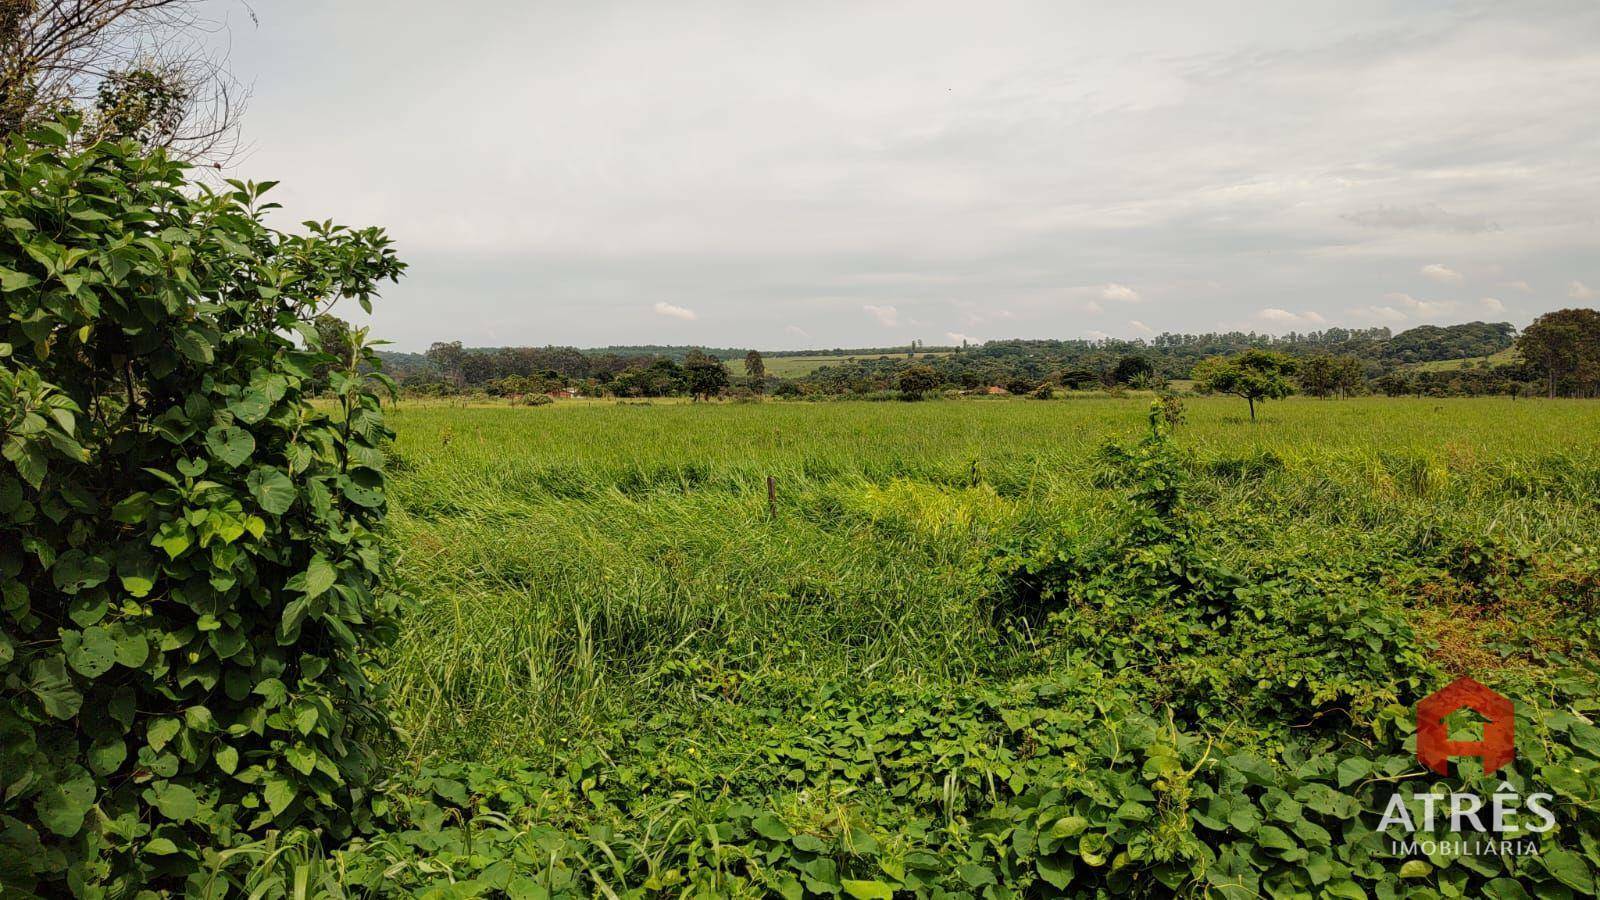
{"x": 1154, "y": 596}
{"x": 1255, "y": 375}
{"x": 187, "y": 544}
{"x": 1323, "y": 376}
{"x": 916, "y": 381}
{"x": 706, "y": 376}
{"x": 1564, "y": 348}
{"x": 1056, "y": 784}
{"x": 628, "y": 677}
{"x": 1437, "y": 342}
{"x": 147, "y": 105}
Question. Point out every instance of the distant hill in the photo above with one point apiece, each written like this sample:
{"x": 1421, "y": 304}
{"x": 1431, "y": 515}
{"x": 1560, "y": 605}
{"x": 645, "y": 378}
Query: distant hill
{"x": 1171, "y": 354}
{"x": 1427, "y": 343}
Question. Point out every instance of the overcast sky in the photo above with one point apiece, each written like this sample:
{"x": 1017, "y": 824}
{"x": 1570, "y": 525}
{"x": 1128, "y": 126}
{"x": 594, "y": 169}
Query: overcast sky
{"x": 850, "y": 174}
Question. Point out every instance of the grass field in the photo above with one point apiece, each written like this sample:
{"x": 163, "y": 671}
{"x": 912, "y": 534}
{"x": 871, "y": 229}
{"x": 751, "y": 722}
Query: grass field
{"x": 565, "y": 554}
{"x": 797, "y": 366}
{"x": 665, "y": 681}
{"x": 1504, "y": 358}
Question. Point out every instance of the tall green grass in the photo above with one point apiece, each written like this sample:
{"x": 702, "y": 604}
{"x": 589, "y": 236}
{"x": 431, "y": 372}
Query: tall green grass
{"x": 578, "y": 565}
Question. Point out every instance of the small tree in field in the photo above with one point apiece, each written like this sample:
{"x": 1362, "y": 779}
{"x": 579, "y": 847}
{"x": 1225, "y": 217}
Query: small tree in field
{"x": 1564, "y": 347}
{"x": 1255, "y": 375}
{"x": 1132, "y": 368}
{"x": 755, "y": 369}
{"x": 916, "y": 381}
{"x": 707, "y": 376}
{"x": 1393, "y": 384}
{"x": 1318, "y": 376}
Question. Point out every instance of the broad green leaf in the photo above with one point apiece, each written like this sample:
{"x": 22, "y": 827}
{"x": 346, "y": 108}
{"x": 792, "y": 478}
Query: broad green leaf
{"x": 48, "y": 680}
{"x": 107, "y": 755}
{"x": 771, "y": 827}
{"x": 75, "y": 571}
{"x": 251, "y": 408}
{"x": 1352, "y": 769}
{"x": 320, "y": 576}
{"x": 175, "y": 801}
{"x": 231, "y": 444}
{"x": 12, "y": 280}
{"x": 132, "y": 650}
{"x": 363, "y": 487}
{"x": 279, "y": 792}
{"x": 305, "y": 716}
{"x": 1506, "y": 889}
{"x": 1056, "y": 869}
{"x": 1570, "y": 869}
{"x": 174, "y": 538}
{"x": 867, "y": 890}
{"x": 272, "y": 489}
{"x": 62, "y": 806}
{"x": 273, "y": 691}
{"x": 303, "y": 758}
{"x": 92, "y": 652}
{"x": 161, "y": 731}
{"x": 1416, "y": 868}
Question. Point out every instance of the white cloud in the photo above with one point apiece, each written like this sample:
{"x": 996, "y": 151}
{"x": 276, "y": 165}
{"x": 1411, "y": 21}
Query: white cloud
{"x": 796, "y": 330}
{"x": 1140, "y": 327}
{"x": 956, "y": 337}
{"x": 675, "y": 312}
{"x": 1401, "y": 307}
{"x": 1096, "y": 335}
{"x": 1492, "y": 304}
{"x": 1441, "y": 273}
{"x": 1427, "y": 216}
{"x": 1521, "y": 286}
{"x": 1381, "y": 313}
{"x": 1420, "y": 308}
{"x": 1091, "y": 307}
{"x": 1275, "y": 314}
{"x": 1120, "y": 293}
{"x": 887, "y": 316}
{"x": 1580, "y": 291}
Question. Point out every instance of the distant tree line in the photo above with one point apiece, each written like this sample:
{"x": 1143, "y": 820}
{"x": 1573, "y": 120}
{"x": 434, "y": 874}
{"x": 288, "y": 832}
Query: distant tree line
{"x": 1558, "y": 355}
{"x": 449, "y": 368}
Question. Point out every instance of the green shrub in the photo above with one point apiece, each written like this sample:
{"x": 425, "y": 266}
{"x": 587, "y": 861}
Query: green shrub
{"x": 186, "y": 542}
{"x": 1155, "y": 596}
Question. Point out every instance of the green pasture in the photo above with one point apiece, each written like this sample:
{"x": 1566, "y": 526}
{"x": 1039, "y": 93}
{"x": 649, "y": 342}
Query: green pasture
{"x": 797, "y": 366}
{"x": 576, "y": 564}
{"x": 1505, "y": 357}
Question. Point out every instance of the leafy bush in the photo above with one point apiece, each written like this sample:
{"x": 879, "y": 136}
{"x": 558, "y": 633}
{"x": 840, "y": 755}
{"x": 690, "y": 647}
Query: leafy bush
{"x": 186, "y": 542}
{"x": 1154, "y": 596}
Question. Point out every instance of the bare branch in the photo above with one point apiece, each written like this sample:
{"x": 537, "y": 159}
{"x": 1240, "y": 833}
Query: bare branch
{"x": 134, "y": 68}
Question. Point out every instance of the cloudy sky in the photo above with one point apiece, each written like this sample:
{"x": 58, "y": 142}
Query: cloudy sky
{"x": 845, "y": 174}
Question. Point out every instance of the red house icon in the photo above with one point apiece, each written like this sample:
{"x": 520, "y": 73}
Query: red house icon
{"x": 1434, "y": 747}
